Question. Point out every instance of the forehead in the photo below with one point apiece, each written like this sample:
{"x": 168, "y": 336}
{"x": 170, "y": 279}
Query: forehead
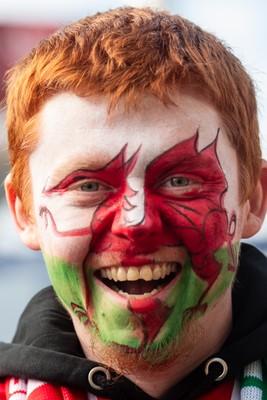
{"x": 73, "y": 129}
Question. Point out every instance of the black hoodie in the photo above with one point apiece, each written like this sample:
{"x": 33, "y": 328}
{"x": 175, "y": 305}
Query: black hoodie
{"x": 46, "y": 348}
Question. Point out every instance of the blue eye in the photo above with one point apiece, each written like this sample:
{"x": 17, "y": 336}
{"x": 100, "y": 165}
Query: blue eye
{"x": 89, "y": 187}
{"x": 179, "y": 181}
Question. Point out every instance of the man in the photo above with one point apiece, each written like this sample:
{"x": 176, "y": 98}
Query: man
{"x": 136, "y": 169}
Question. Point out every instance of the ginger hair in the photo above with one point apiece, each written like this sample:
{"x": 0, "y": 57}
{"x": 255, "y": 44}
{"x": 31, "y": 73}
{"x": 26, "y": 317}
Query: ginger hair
{"x": 126, "y": 54}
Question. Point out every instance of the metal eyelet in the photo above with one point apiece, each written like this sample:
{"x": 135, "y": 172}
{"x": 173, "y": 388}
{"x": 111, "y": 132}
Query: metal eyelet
{"x": 222, "y": 363}
{"x": 91, "y": 376}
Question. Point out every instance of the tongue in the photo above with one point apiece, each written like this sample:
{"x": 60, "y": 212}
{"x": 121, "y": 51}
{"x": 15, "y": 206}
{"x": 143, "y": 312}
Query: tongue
{"x": 137, "y": 287}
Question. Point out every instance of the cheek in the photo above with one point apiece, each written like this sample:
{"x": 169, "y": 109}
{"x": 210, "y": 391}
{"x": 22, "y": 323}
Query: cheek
{"x": 64, "y": 216}
{"x": 240, "y": 221}
{"x": 64, "y": 231}
{"x": 68, "y": 283}
{"x": 66, "y": 245}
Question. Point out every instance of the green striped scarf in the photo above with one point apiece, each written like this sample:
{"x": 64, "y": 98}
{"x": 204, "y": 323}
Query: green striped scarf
{"x": 253, "y": 383}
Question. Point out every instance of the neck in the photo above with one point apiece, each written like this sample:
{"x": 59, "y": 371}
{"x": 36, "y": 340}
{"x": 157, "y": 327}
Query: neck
{"x": 203, "y": 338}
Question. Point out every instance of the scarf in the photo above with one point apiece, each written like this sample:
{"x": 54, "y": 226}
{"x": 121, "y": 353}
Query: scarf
{"x": 30, "y": 389}
{"x": 251, "y": 386}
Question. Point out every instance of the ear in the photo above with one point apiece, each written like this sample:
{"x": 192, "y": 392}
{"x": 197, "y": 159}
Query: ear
{"x": 25, "y": 228}
{"x": 257, "y": 205}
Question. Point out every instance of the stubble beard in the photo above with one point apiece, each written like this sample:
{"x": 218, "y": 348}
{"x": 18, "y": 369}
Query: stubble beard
{"x": 128, "y": 361}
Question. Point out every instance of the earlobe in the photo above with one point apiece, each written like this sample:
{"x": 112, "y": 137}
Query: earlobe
{"x": 257, "y": 204}
{"x": 25, "y": 228}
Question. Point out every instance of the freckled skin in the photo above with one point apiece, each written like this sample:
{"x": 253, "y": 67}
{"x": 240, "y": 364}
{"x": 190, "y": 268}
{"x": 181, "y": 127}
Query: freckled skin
{"x": 196, "y": 220}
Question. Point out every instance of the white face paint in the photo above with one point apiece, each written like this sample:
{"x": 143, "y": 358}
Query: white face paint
{"x": 133, "y": 211}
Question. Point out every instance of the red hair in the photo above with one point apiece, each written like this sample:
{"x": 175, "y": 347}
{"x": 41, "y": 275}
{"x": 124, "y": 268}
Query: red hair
{"x": 127, "y": 53}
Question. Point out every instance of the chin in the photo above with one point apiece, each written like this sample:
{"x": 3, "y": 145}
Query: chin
{"x": 127, "y": 360}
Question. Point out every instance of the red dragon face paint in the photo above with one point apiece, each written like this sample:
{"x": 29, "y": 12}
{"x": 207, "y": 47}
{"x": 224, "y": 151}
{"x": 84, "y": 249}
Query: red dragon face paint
{"x": 139, "y": 232}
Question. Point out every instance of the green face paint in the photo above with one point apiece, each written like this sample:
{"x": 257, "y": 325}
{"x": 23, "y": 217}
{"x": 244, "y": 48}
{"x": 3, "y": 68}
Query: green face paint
{"x": 116, "y": 322}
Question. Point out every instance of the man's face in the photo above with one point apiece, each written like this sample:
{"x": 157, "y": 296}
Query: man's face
{"x": 137, "y": 215}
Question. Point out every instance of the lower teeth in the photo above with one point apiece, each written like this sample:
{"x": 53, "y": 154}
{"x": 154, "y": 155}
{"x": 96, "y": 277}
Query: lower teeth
{"x": 140, "y": 296}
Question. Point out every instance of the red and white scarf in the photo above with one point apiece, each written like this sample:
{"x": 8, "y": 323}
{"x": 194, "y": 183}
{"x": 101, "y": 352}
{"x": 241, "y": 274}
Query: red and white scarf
{"x": 20, "y": 389}
{"x": 252, "y": 386}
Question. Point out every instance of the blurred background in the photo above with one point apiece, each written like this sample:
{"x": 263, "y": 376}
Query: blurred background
{"x": 240, "y": 23}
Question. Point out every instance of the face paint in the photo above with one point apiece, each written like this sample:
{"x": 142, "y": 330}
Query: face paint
{"x": 143, "y": 243}
{"x": 182, "y": 220}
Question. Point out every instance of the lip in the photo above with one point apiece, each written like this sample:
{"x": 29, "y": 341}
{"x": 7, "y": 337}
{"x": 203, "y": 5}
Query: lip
{"x": 142, "y": 304}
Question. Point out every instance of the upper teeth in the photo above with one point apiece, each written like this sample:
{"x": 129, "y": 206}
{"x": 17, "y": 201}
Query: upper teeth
{"x": 147, "y": 272}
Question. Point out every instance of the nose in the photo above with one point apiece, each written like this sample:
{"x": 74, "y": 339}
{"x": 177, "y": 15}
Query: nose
{"x": 135, "y": 220}
{"x": 134, "y": 230}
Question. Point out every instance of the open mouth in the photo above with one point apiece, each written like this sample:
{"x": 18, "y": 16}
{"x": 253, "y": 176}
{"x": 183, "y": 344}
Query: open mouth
{"x": 139, "y": 282}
